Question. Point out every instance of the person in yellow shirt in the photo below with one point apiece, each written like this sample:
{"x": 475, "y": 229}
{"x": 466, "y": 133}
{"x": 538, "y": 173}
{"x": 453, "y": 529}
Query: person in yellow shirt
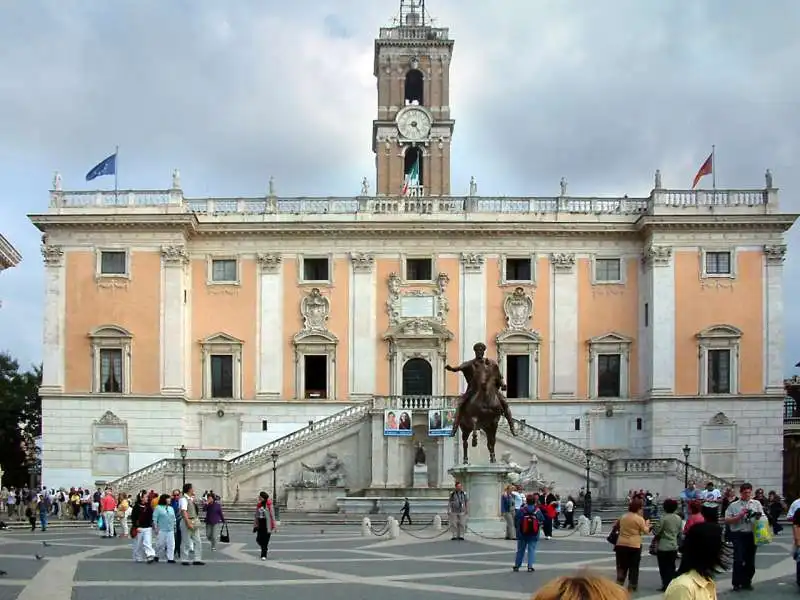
{"x": 704, "y": 555}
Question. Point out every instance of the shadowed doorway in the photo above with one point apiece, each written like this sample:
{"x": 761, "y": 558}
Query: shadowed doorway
{"x": 417, "y": 378}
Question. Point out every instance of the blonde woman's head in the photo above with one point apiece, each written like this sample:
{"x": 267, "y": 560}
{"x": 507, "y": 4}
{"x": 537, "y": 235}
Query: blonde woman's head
{"x": 583, "y": 586}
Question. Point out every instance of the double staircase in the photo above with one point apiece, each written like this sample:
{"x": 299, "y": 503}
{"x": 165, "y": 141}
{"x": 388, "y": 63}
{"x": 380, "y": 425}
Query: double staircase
{"x": 601, "y": 469}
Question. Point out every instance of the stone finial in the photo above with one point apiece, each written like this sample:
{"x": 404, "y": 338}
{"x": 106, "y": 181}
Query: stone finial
{"x": 658, "y": 180}
{"x": 271, "y": 185}
{"x": 768, "y": 178}
{"x": 563, "y": 184}
{"x": 473, "y": 186}
{"x": 56, "y": 181}
{"x": 176, "y": 179}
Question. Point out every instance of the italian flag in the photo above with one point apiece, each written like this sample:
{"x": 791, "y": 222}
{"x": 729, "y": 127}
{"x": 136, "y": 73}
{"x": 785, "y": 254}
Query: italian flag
{"x": 412, "y": 177}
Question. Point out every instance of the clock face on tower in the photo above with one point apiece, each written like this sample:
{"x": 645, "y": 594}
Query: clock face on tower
{"x": 414, "y": 123}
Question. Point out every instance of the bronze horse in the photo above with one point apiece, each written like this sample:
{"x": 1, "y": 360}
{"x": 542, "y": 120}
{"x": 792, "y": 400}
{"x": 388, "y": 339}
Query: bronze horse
{"x": 482, "y": 410}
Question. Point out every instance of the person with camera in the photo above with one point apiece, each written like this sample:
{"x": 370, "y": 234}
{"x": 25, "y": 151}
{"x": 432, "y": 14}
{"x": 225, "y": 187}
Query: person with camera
{"x": 740, "y": 516}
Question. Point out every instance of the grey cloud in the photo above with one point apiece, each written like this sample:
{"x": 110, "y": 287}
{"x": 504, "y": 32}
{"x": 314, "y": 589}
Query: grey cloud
{"x": 601, "y": 93}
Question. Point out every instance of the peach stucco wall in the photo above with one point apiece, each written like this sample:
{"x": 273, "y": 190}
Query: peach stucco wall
{"x": 496, "y": 320}
{"x": 227, "y": 309}
{"x": 338, "y": 322}
{"x": 133, "y": 304}
{"x": 702, "y": 303}
{"x": 607, "y": 308}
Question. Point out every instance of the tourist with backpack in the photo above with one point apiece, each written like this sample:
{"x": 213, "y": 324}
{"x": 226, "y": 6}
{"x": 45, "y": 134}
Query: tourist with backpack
{"x": 529, "y": 520}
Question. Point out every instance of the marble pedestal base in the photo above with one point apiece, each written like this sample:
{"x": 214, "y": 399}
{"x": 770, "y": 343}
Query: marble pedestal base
{"x": 420, "y": 476}
{"x": 484, "y": 486}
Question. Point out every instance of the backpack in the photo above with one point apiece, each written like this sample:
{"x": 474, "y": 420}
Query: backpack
{"x": 529, "y": 524}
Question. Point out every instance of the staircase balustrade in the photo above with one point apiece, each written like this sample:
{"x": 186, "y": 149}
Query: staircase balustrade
{"x": 672, "y": 466}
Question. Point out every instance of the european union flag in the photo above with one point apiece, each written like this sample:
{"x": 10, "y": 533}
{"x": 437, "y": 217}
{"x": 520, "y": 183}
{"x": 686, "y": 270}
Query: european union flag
{"x": 107, "y": 167}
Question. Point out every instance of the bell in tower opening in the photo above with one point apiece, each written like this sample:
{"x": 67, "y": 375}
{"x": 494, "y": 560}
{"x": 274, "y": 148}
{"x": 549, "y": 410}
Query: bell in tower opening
{"x": 413, "y": 128}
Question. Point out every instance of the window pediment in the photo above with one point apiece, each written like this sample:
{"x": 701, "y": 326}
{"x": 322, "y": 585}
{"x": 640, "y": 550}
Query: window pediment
{"x": 720, "y": 332}
{"x": 610, "y": 338}
{"x": 418, "y": 328}
{"x": 314, "y": 338}
{"x": 110, "y": 332}
{"x": 518, "y": 337}
{"x": 221, "y": 338}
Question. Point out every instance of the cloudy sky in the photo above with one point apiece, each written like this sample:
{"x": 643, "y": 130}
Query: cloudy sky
{"x": 233, "y": 92}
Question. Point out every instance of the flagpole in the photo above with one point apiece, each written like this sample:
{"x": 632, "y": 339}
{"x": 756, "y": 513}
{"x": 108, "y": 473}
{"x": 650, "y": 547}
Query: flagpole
{"x": 116, "y": 170}
{"x": 714, "y": 167}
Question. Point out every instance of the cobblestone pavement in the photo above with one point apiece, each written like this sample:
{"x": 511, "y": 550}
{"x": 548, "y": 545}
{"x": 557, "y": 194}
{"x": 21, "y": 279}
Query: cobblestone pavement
{"x": 309, "y": 561}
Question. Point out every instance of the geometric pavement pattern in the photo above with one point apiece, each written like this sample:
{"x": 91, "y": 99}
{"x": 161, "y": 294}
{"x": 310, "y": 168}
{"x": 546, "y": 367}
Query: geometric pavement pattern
{"x": 331, "y": 562}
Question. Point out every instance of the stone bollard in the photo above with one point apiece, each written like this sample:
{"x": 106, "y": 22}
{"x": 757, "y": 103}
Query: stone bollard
{"x": 437, "y": 523}
{"x": 584, "y": 527}
{"x": 394, "y": 528}
{"x": 597, "y": 526}
{"x": 366, "y": 525}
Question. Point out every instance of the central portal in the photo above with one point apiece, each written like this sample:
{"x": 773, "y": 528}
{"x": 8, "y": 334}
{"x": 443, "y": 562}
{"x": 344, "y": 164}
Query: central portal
{"x": 417, "y": 378}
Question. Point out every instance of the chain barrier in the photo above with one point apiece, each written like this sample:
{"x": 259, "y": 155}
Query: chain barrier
{"x": 439, "y": 534}
{"x": 416, "y": 527}
{"x": 380, "y": 533}
{"x": 554, "y": 536}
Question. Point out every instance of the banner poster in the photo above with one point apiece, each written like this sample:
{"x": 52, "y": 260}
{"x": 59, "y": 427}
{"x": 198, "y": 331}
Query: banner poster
{"x": 397, "y": 423}
{"x": 440, "y": 421}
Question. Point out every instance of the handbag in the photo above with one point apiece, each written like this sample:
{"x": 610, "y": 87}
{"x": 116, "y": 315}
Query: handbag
{"x": 225, "y": 535}
{"x": 613, "y": 536}
{"x": 653, "y": 549}
{"x": 761, "y": 531}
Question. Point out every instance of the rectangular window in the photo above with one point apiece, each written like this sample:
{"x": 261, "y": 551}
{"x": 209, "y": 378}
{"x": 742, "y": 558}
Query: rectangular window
{"x": 577, "y": 424}
{"x": 608, "y": 375}
{"x": 316, "y": 269}
{"x": 419, "y": 269}
{"x": 264, "y": 425}
{"x": 607, "y": 270}
{"x": 316, "y": 376}
{"x": 224, "y": 271}
{"x": 519, "y": 269}
{"x": 518, "y": 376}
{"x": 718, "y": 263}
{"x": 111, "y": 370}
{"x": 646, "y": 314}
{"x": 222, "y": 376}
{"x": 719, "y": 371}
{"x": 113, "y": 262}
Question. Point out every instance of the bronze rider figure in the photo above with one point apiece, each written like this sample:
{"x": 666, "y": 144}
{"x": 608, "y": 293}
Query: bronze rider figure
{"x": 467, "y": 368}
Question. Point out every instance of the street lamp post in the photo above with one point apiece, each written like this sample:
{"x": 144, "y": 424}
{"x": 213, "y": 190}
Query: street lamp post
{"x": 274, "y": 457}
{"x": 184, "y": 451}
{"x": 587, "y": 508}
{"x": 686, "y": 452}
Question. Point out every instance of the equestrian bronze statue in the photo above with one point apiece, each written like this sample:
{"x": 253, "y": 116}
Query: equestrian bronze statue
{"x": 482, "y": 404}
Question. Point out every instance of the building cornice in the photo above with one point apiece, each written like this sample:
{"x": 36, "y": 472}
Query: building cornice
{"x": 779, "y": 222}
{"x": 187, "y": 222}
{"x": 9, "y": 257}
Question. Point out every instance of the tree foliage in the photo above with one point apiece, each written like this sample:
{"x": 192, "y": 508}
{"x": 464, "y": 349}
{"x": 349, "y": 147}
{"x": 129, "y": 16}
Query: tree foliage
{"x": 20, "y": 420}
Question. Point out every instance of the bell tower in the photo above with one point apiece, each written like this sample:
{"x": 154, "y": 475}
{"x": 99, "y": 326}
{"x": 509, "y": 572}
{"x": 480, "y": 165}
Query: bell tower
{"x": 412, "y": 131}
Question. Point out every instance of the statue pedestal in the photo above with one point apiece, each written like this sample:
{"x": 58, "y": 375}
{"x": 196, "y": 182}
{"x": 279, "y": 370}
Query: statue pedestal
{"x": 484, "y": 486}
{"x": 420, "y": 476}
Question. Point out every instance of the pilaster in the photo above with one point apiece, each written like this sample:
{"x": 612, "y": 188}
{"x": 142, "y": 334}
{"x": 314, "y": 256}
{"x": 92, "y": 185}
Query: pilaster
{"x": 660, "y": 266}
{"x": 472, "y": 312}
{"x": 55, "y": 308}
{"x": 270, "y": 326}
{"x": 173, "y": 320}
{"x": 773, "y": 318}
{"x": 564, "y": 310}
{"x": 363, "y": 332}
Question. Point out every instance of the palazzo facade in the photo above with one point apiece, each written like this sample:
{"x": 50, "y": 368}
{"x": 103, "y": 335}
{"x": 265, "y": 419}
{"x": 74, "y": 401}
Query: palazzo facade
{"x": 624, "y": 325}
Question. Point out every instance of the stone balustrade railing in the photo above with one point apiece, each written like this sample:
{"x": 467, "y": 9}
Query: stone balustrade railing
{"x": 671, "y": 466}
{"x": 137, "y": 480}
{"x": 558, "y": 447}
{"x": 394, "y": 205}
{"x": 414, "y": 402}
{"x": 315, "y": 431}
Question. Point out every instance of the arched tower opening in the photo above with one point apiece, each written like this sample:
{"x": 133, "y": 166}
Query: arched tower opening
{"x": 415, "y": 87}
{"x": 414, "y": 172}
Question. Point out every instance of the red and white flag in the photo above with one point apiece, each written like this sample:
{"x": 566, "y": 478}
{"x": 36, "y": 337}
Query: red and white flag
{"x": 706, "y": 169}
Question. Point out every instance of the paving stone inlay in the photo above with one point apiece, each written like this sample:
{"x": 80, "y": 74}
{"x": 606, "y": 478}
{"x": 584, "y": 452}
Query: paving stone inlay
{"x": 335, "y": 561}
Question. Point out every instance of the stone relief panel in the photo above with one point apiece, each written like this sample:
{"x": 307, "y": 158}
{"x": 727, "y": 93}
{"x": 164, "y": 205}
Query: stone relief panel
{"x": 718, "y": 445}
{"x": 518, "y": 308}
{"x": 315, "y": 309}
{"x": 363, "y": 262}
{"x": 269, "y": 262}
{"x": 562, "y": 262}
{"x": 417, "y": 303}
{"x": 174, "y": 255}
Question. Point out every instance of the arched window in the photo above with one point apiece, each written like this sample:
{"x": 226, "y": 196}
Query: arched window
{"x": 414, "y": 166}
{"x": 415, "y": 87}
{"x": 417, "y": 378}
